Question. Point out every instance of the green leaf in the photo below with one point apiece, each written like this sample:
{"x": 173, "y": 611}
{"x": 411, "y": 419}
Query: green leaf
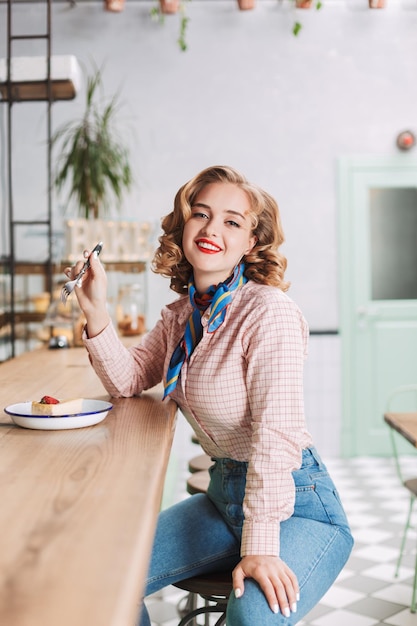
{"x": 296, "y": 28}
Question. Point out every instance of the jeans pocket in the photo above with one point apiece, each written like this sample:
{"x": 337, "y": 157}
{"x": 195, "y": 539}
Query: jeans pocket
{"x": 309, "y": 505}
{"x": 332, "y": 504}
{"x": 319, "y": 500}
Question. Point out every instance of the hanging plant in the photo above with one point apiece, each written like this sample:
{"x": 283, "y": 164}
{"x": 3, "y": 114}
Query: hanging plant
{"x": 93, "y": 160}
{"x": 305, "y": 4}
{"x": 166, "y": 7}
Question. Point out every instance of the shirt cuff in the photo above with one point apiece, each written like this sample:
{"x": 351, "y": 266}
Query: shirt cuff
{"x": 101, "y": 343}
{"x": 260, "y": 538}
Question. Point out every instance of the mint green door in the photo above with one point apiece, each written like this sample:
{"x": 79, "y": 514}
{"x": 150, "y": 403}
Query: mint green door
{"x": 378, "y": 295}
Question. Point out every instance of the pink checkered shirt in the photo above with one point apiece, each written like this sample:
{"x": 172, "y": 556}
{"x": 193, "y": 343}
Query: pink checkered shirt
{"x": 241, "y": 391}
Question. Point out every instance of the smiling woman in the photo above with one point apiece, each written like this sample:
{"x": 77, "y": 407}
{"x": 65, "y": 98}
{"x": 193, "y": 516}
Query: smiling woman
{"x": 230, "y": 351}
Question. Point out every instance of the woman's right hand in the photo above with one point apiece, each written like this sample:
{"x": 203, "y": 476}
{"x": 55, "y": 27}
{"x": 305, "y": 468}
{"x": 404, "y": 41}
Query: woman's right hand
{"x": 92, "y": 294}
{"x": 276, "y": 579}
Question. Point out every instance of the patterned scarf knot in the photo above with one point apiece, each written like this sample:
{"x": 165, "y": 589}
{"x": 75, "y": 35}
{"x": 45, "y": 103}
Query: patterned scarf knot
{"x": 218, "y": 297}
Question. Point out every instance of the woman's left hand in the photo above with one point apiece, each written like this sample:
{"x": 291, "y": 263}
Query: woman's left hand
{"x": 276, "y": 579}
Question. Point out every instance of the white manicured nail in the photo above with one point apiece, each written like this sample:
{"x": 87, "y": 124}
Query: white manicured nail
{"x": 294, "y": 607}
{"x": 275, "y": 608}
{"x": 238, "y": 593}
{"x": 287, "y": 612}
{"x": 297, "y": 596}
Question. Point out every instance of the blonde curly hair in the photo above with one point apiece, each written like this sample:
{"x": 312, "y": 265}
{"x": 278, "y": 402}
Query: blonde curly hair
{"x": 263, "y": 264}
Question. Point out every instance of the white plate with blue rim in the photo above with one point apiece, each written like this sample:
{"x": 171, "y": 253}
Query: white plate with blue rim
{"x": 93, "y": 412}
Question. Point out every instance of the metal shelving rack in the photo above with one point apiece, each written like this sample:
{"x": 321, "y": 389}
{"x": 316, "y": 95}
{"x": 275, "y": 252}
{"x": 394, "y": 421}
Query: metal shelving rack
{"x": 13, "y": 94}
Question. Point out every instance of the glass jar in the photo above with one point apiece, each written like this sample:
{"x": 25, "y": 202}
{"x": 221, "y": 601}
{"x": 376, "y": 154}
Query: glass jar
{"x": 130, "y": 310}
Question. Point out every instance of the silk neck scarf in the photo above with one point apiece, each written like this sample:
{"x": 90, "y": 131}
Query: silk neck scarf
{"x": 218, "y": 297}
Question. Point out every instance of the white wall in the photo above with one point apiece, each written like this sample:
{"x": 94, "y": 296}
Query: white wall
{"x": 246, "y": 93}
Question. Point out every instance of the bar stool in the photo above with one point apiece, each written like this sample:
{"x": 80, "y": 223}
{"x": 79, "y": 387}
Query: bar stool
{"x": 214, "y": 588}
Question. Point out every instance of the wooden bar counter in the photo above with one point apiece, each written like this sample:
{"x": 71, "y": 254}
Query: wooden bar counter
{"x": 78, "y": 507}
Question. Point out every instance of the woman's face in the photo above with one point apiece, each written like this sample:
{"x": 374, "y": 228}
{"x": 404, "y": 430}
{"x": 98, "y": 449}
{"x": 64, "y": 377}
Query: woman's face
{"x": 218, "y": 233}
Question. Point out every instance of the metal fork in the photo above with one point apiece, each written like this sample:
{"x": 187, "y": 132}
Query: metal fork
{"x": 69, "y": 287}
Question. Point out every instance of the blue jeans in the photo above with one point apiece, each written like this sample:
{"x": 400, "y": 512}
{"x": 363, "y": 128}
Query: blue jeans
{"x": 202, "y": 534}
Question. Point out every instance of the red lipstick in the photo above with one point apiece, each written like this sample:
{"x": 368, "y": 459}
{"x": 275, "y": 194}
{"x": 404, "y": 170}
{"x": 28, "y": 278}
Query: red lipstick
{"x": 207, "y": 246}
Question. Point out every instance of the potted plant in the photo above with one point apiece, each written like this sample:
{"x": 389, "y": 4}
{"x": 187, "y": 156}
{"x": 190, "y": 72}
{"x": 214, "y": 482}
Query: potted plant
{"x": 93, "y": 160}
{"x": 169, "y": 6}
{"x": 114, "y": 6}
{"x": 246, "y": 5}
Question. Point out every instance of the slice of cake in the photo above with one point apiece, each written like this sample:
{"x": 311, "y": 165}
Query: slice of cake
{"x": 51, "y": 406}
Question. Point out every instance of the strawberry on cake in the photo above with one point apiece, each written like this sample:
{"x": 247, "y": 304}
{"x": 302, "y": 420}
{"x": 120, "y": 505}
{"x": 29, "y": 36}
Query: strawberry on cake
{"x": 51, "y": 406}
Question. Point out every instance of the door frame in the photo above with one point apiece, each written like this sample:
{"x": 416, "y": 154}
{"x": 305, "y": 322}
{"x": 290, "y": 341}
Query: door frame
{"x": 348, "y": 167}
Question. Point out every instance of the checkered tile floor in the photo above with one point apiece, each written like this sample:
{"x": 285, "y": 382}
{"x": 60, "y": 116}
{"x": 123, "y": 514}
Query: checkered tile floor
{"x": 366, "y": 592}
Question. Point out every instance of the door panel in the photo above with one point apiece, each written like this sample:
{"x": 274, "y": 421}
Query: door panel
{"x": 378, "y": 243}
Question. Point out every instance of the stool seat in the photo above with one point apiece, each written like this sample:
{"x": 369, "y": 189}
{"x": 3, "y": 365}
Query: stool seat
{"x": 214, "y": 589}
{"x": 217, "y": 584}
{"x": 200, "y": 463}
{"x": 198, "y": 482}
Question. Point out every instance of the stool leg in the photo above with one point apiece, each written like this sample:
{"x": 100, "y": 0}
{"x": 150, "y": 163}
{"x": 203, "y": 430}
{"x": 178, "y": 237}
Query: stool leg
{"x": 188, "y": 620}
{"x": 189, "y": 606}
{"x": 207, "y": 615}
